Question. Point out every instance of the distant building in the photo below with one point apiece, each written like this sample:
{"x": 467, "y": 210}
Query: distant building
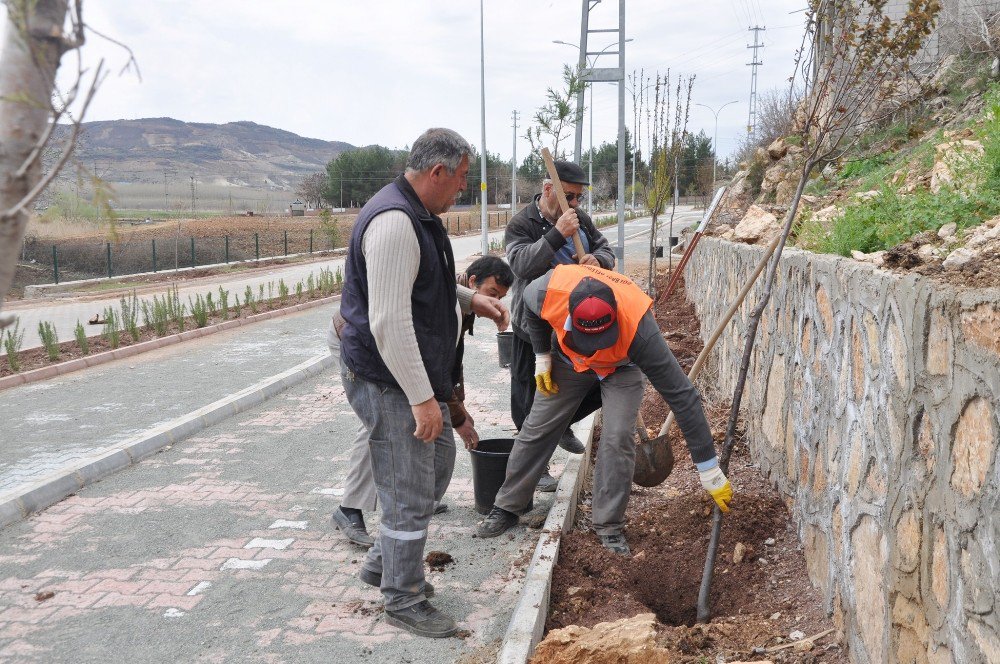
{"x": 297, "y": 209}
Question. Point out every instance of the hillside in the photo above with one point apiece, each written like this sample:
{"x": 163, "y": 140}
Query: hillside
{"x": 242, "y": 154}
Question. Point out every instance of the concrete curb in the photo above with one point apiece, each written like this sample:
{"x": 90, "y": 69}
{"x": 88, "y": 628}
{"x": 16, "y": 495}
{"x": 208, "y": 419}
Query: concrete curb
{"x": 63, "y": 368}
{"x": 24, "y": 500}
{"x": 528, "y": 620}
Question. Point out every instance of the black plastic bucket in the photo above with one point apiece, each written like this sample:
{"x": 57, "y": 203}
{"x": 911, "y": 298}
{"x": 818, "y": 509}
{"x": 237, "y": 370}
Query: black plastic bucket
{"x": 489, "y": 468}
{"x": 505, "y": 347}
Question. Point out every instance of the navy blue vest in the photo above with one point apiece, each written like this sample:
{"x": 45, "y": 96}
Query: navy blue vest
{"x": 433, "y": 296}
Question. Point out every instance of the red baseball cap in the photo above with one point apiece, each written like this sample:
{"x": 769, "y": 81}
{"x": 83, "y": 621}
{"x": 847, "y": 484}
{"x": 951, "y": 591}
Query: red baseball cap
{"x": 594, "y": 316}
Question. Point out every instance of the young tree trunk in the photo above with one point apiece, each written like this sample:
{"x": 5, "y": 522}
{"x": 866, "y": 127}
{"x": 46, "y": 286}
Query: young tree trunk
{"x": 32, "y": 48}
{"x": 703, "y": 609}
{"x": 653, "y": 229}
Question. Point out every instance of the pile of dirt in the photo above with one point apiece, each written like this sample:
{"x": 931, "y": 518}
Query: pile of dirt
{"x": 761, "y": 595}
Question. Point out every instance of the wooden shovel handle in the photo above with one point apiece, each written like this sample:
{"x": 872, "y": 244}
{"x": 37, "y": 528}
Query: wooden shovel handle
{"x": 561, "y": 198}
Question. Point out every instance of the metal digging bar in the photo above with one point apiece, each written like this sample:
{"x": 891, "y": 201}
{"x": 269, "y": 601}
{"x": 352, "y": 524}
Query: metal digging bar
{"x": 675, "y": 275}
{"x": 704, "y": 612}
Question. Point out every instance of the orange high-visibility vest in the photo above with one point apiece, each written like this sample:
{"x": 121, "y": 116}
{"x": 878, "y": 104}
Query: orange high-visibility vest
{"x": 632, "y": 306}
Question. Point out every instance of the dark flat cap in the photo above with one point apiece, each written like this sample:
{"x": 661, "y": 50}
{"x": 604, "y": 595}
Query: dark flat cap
{"x": 570, "y": 172}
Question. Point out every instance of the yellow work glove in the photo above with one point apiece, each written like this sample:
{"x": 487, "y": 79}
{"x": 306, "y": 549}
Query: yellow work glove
{"x": 543, "y": 375}
{"x": 715, "y": 482}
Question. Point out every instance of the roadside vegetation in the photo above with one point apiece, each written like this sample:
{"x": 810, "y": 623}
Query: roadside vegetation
{"x": 161, "y": 316}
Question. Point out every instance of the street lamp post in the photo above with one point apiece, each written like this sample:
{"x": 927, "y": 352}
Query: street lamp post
{"x": 715, "y": 139}
{"x": 482, "y": 157}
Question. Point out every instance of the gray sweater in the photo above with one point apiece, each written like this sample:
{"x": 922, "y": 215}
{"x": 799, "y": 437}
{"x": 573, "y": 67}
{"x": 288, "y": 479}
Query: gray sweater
{"x": 532, "y": 247}
{"x": 650, "y": 353}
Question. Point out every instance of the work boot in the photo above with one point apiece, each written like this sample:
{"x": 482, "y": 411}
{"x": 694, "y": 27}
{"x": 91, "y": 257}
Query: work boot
{"x": 351, "y": 522}
{"x": 422, "y": 619}
{"x": 547, "y": 483}
{"x": 496, "y": 522}
{"x": 616, "y": 543}
{"x": 571, "y": 443}
{"x": 375, "y": 579}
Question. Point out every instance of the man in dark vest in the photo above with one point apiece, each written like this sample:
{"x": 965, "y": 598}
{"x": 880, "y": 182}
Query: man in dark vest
{"x": 402, "y": 311}
{"x": 605, "y": 335}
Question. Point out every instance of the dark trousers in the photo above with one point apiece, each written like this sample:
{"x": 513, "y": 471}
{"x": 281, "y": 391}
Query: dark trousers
{"x": 522, "y": 385}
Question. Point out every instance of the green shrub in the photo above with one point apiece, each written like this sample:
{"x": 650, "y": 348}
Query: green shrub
{"x": 210, "y": 303}
{"x": 236, "y": 306}
{"x": 81, "y": 338}
{"x": 199, "y": 309}
{"x": 298, "y": 290}
{"x": 130, "y": 315}
{"x": 224, "y": 302}
{"x": 328, "y": 226}
{"x": 310, "y": 285}
{"x": 49, "y": 338}
{"x": 755, "y": 178}
{"x": 111, "y": 331}
{"x": 12, "y": 341}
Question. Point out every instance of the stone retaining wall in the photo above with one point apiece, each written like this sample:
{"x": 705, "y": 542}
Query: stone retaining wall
{"x": 872, "y": 405}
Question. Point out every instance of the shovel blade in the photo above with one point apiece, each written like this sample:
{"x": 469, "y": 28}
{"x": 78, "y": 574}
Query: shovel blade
{"x": 653, "y": 461}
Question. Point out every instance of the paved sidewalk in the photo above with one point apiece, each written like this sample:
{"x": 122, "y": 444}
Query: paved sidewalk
{"x": 220, "y": 548}
{"x": 54, "y": 422}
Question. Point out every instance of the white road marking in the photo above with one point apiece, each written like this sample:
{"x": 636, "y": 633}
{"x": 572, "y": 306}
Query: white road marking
{"x": 281, "y": 523}
{"x": 200, "y": 588}
{"x": 261, "y": 543}
{"x": 237, "y": 563}
{"x": 328, "y": 492}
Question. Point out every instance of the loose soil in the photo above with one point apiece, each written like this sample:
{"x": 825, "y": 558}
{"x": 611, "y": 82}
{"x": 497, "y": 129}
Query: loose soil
{"x": 438, "y": 560}
{"x": 981, "y": 272}
{"x": 36, "y": 358}
{"x": 756, "y": 603}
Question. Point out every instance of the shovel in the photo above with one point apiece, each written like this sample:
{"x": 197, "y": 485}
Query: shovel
{"x": 653, "y": 457}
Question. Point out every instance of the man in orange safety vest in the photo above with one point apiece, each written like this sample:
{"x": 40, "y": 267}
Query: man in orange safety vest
{"x": 604, "y": 330}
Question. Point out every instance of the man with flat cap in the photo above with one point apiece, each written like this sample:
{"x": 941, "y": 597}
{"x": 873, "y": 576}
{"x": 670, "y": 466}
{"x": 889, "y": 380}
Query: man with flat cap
{"x": 538, "y": 238}
{"x": 605, "y": 336}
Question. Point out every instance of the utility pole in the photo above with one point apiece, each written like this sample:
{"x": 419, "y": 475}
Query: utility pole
{"x": 192, "y": 195}
{"x": 513, "y": 170}
{"x": 483, "y": 158}
{"x": 166, "y": 202}
{"x": 754, "y": 63}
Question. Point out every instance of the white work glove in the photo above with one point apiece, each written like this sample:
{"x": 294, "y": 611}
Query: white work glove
{"x": 718, "y": 486}
{"x": 543, "y": 375}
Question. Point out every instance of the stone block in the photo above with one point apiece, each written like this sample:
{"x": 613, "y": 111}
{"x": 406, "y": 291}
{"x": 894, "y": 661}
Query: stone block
{"x": 898, "y": 353}
{"x": 939, "y": 568}
{"x": 981, "y": 326}
{"x": 825, "y": 310}
{"x": 868, "y": 559}
{"x": 816, "y": 545}
{"x": 756, "y": 224}
{"x": 906, "y": 553}
{"x": 913, "y": 634}
{"x": 986, "y": 639}
{"x": 631, "y": 640}
{"x": 857, "y": 363}
{"x": 972, "y": 453}
{"x": 977, "y": 590}
{"x": 940, "y": 344}
{"x": 872, "y": 333}
{"x": 926, "y": 446}
{"x": 773, "y": 418}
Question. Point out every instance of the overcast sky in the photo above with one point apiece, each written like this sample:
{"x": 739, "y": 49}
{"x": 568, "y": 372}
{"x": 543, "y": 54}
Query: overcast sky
{"x": 382, "y": 71}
